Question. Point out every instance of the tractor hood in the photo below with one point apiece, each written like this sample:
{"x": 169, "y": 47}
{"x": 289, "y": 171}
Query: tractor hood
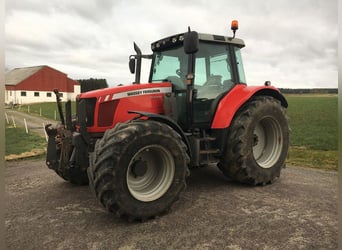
{"x": 104, "y": 108}
{"x": 118, "y": 92}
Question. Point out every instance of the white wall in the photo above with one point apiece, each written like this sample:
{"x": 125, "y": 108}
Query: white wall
{"x": 15, "y": 96}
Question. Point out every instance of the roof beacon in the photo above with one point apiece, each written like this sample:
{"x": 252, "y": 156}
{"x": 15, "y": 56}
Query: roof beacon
{"x": 234, "y": 27}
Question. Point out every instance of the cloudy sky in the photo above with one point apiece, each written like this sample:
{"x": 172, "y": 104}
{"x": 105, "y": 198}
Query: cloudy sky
{"x": 291, "y": 43}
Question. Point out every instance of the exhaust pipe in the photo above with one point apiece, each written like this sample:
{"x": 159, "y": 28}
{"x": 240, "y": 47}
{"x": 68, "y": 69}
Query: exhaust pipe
{"x": 59, "y": 105}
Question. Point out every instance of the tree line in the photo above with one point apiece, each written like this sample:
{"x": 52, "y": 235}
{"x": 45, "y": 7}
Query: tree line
{"x": 310, "y": 91}
{"x": 92, "y": 84}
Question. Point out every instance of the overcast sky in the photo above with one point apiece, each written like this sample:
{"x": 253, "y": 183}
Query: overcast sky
{"x": 291, "y": 43}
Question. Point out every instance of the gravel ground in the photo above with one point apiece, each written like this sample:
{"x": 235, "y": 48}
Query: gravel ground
{"x": 299, "y": 211}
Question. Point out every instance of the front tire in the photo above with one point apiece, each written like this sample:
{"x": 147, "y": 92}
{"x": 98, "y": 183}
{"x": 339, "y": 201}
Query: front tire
{"x": 76, "y": 176}
{"x": 257, "y": 143}
{"x": 138, "y": 169}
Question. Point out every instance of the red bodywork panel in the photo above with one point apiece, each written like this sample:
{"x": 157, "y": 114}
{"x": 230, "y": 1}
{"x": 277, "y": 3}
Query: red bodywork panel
{"x": 231, "y": 102}
{"x": 112, "y": 104}
{"x": 136, "y": 97}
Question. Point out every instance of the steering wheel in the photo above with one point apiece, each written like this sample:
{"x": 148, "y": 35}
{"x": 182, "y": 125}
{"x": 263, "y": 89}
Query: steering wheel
{"x": 178, "y": 72}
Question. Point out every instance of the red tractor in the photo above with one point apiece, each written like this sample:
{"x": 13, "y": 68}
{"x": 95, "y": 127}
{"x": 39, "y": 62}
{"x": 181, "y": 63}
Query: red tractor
{"x": 135, "y": 143}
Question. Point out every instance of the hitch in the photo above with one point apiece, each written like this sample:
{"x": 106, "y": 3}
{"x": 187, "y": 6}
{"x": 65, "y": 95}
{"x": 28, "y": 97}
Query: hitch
{"x": 60, "y": 136}
{"x": 67, "y": 150}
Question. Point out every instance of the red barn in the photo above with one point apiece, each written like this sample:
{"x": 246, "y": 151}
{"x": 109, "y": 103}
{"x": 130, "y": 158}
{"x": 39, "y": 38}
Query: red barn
{"x": 36, "y": 84}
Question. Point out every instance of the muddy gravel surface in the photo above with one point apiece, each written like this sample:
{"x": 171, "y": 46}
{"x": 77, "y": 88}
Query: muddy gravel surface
{"x": 299, "y": 211}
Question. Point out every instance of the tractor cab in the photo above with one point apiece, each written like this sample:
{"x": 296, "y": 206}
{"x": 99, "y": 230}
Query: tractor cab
{"x": 202, "y": 69}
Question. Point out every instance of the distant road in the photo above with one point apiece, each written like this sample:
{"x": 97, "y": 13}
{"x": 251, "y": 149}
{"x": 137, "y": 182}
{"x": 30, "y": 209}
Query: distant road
{"x": 34, "y": 123}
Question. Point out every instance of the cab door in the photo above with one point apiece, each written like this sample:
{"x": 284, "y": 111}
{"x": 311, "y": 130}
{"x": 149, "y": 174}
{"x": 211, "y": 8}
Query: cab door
{"x": 213, "y": 79}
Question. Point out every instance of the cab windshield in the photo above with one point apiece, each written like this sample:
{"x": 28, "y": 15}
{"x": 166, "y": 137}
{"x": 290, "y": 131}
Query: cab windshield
{"x": 170, "y": 65}
{"x": 213, "y": 68}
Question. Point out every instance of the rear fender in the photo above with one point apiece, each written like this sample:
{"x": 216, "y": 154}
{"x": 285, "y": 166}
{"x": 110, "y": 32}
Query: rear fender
{"x": 238, "y": 96}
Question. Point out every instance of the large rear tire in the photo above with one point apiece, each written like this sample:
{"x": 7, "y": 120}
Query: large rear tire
{"x": 138, "y": 169}
{"x": 257, "y": 143}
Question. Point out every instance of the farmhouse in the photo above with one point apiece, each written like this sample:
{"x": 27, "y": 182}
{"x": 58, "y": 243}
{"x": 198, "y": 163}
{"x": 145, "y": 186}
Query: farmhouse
{"x": 36, "y": 84}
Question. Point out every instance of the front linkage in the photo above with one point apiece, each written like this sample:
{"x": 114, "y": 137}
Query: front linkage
{"x": 67, "y": 149}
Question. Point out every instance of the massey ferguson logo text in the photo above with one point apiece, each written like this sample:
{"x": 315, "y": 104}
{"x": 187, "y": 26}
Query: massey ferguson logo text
{"x": 142, "y": 92}
{"x": 138, "y": 92}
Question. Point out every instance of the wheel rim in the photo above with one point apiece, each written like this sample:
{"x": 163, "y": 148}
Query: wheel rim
{"x": 150, "y": 173}
{"x": 267, "y": 142}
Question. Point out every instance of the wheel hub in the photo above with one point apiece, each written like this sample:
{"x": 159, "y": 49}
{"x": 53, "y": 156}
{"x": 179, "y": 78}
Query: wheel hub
{"x": 255, "y": 140}
{"x": 267, "y": 142}
{"x": 150, "y": 173}
{"x": 139, "y": 168}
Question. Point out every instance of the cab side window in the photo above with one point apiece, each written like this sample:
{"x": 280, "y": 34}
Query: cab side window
{"x": 213, "y": 71}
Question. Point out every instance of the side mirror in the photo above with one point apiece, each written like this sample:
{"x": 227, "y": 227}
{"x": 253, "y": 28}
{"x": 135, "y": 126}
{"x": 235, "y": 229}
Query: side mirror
{"x": 190, "y": 42}
{"x": 131, "y": 65}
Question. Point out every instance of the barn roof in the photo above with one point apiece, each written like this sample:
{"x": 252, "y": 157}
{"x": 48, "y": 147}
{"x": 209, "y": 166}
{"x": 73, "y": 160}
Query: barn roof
{"x": 17, "y": 75}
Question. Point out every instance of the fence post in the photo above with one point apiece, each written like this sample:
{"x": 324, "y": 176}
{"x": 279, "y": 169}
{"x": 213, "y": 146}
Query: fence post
{"x": 14, "y": 125}
{"x": 46, "y": 136}
{"x": 26, "y": 126}
{"x": 6, "y": 118}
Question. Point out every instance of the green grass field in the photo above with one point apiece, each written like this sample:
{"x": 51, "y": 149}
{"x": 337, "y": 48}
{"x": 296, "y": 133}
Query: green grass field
{"x": 313, "y": 123}
{"x": 48, "y": 110}
{"x": 18, "y": 142}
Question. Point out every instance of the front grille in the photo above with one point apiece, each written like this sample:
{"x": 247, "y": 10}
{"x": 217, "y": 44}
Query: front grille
{"x": 85, "y": 111}
{"x": 90, "y": 111}
{"x": 106, "y": 113}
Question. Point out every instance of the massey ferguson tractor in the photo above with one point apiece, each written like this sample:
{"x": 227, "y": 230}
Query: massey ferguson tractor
{"x": 134, "y": 144}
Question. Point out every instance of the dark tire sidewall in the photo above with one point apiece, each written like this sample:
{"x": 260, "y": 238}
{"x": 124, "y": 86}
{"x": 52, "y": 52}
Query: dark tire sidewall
{"x": 110, "y": 163}
{"x": 260, "y": 113}
{"x": 127, "y": 200}
{"x": 239, "y": 163}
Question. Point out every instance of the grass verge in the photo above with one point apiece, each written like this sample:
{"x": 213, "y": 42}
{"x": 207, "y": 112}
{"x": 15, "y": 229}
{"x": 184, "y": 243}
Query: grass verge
{"x": 20, "y": 145}
{"x": 319, "y": 159}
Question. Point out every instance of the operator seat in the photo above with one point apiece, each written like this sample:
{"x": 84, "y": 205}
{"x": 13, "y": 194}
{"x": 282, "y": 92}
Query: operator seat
{"x": 211, "y": 88}
{"x": 177, "y": 82}
{"x": 208, "y": 99}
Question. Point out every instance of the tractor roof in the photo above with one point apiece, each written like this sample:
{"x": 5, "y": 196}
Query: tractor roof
{"x": 176, "y": 40}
